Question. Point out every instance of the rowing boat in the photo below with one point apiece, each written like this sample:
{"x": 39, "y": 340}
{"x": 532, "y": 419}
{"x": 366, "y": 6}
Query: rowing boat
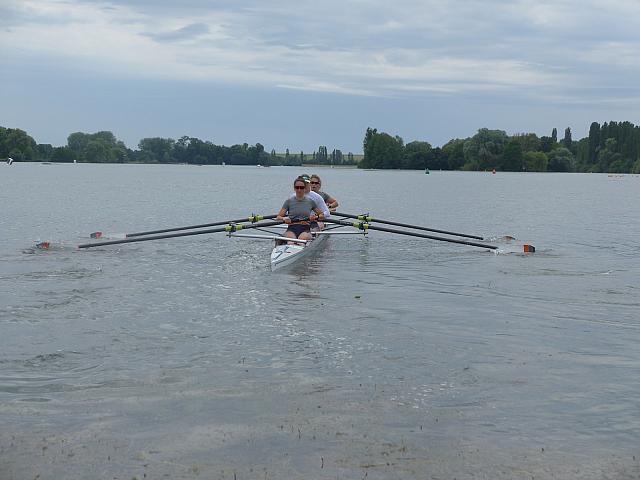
{"x": 286, "y": 254}
{"x": 288, "y": 250}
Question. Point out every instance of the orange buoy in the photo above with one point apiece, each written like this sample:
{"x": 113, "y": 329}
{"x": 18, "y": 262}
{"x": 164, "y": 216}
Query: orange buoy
{"x": 528, "y": 248}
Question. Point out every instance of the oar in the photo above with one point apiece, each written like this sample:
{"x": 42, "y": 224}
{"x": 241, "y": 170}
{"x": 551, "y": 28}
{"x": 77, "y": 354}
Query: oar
{"x": 252, "y": 219}
{"x": 367, "y": 218}
{"x": 366, "y": 226}
{"x": 227, "y": 228}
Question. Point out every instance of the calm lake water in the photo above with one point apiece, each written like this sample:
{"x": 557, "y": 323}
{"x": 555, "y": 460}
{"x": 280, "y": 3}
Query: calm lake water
{"x": 386, "y": 357}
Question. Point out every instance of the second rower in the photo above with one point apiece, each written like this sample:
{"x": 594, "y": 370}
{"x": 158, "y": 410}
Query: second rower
{"x": 316, "y": 185}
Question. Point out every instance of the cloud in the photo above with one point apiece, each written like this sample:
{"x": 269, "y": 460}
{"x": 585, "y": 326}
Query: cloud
{"x": 362, "y": 47}
{"x": 188, "y": 32}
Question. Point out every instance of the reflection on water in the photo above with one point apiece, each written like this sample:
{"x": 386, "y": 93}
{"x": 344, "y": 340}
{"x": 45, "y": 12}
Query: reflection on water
{"x": 379, "y": 357}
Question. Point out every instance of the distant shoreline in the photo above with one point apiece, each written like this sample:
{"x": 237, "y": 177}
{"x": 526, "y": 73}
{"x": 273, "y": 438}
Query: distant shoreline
{"x": 326, "y": 167}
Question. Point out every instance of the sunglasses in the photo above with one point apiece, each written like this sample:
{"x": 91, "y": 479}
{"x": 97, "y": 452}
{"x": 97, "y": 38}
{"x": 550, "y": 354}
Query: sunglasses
{"x": 315, "y": 183}
{"x": 298, "y": 187}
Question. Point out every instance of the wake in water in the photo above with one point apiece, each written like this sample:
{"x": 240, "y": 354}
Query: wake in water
{"x": 43, "y": 246}
{"x": 510, "y": 245}
{"x": 47, "y": 246}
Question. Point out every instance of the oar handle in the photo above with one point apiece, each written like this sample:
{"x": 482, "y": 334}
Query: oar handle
{"x": 299, "y": 220}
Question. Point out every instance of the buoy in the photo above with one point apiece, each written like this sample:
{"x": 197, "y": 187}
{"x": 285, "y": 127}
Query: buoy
{"x": 528, "y": 248}
{"x": 43, "y": 245}
{"x": 96, "y": 235}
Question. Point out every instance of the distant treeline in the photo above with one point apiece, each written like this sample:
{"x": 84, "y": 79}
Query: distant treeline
{"x": 610, "y": 147}
{"x": 104, "y": 147}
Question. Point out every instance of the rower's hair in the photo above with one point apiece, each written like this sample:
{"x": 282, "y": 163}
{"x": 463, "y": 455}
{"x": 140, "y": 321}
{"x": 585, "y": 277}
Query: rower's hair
{"x": 299, "y": 179}
{"x": 316, "y": 176}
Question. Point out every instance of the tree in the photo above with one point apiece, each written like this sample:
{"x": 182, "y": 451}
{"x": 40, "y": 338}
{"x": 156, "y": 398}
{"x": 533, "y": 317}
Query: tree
{"x": 416, "y": 155}
{"x": 78, "y": 142}
{"x": 529, "y": 142}
{"x": 156, "y": 149}
{"x": 609, "y": 160}
{"x": 367, "y": 160}
{"x": 554, "y": 135}
{"x": 382, "y": 150}
{"x": 44, "y": 151}
{"x": 184, "y": 149}
{"x": 321, "y": 157}
{"x": 535, "y": 161}
{"x": 100, "y": 147}
{"x": 582, "y": 155}
{"x": 97, "y": 152}
{"x": 15, "y": 143}
{"x": 547, "y": 144}
{"x": 337, "y": 157}
{"x": 63, "y": 155}
{"x": 484, "y": 150}
{"x": 560, "y": 160}
{"x": 254, "y": 155}
{"x": 453, "y": 153}
{"x": 594, "y": 142}
{"x": 567, "y": 142}
{"x": 511, "y": 160}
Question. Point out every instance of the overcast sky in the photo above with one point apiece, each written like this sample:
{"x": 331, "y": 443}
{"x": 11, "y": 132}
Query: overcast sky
{"x": 298, "y": 73}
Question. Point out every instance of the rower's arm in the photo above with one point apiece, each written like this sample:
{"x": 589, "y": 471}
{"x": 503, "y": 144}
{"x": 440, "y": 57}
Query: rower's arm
{"x": 282, "y": 216}
{"x": 324, "y": 209}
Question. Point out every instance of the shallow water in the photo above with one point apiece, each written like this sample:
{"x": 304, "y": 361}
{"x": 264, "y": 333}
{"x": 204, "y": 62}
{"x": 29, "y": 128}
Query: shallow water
{"x": 383, "y": 357}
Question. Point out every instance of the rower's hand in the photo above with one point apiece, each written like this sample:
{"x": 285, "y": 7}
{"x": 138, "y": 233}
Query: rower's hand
{"x": 286, "y": 220}
{"x": 313, "y": 217}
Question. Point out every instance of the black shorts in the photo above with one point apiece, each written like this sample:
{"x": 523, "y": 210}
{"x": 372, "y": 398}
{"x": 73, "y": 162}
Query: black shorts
{"x": 298, "y": 228}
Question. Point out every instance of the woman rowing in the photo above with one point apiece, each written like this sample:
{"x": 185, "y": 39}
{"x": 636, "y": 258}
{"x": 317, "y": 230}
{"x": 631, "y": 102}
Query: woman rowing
{"x": 299, "y": 211}
{"x": 316, "y": 184}
{"x": 317, "y": 199}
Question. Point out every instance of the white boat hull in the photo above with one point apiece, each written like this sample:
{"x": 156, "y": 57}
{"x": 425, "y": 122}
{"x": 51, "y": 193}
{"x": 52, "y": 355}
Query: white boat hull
{"x": 284, "y": 255}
